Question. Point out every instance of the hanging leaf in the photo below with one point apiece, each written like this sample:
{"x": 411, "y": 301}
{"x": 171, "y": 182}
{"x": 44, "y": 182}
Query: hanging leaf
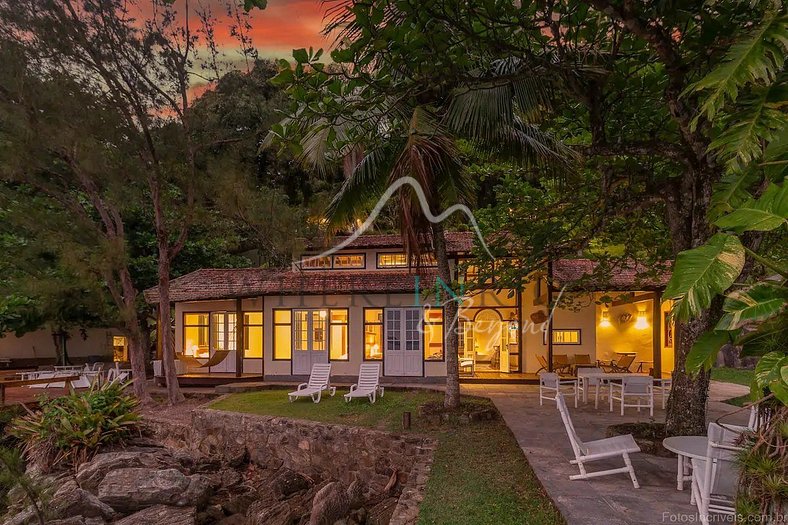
{"x": 769, "y": 367}
{"x": 702, "y": 273}
{"x": 731, "y": 192}
{"x": 757, "y": 303}
{"x": 703, "y": 353}
{"x": 770, "y": 336}
{"x": 766, "y": 214}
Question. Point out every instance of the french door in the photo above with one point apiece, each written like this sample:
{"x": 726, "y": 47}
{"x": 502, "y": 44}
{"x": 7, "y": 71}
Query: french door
{"x": 224, "y": 340}
{"x": 310, "y": 339}
{"x": 402, "y": 351}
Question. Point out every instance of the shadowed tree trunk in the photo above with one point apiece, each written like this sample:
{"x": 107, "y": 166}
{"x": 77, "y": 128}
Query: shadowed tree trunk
{"x": 450, "y": 320}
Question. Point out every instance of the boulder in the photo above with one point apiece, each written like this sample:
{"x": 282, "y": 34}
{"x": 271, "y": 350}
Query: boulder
{"x": 69, "y": 500}
{"x": 283, "y": 512}
{"x": 287, "y": 482}
{"x": 132, "y": 489}
{"x": 381, "y": 513}
{"x": 90, "y": 474}
{"x": 331, "y": 503}
{"x": 239, "y": 504}
{"x": 77, "y": 520}
{"x": 163, "y": 514}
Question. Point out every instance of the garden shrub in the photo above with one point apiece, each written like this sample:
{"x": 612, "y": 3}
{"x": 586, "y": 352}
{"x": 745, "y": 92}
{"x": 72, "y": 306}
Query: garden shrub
{"x": 68, "y": 430}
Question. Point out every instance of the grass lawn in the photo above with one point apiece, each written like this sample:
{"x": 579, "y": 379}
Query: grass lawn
{"x": 732, "y": 375}
{"x": 479, "y": 474}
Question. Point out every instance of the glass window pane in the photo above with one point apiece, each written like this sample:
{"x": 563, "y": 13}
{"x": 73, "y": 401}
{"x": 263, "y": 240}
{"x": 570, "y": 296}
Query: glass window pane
{"x": 195, "y": 341}
{"x": 373, "y": 315}
{"x": 349, "y": 261}
{"x": 319, "y": 318}
{"x": 373, "y": 342}
{"x": 282, "y": 342}
{"x": 339, "y": 316}
{"x": 339, "y": 343}
{"x": 218, "y": 331}
{"x": 301, "y": 330}
{"x": 392, "y": 260}
{"x": 282, "y": 316}
{"x": 253, "y": 341}
{"x": 253, "y": 318}
{"x": 309, "y": 263}
{"x": 433, "y": 342}
{"x": 195, "y": 319}
{"x": 433, "y": 315}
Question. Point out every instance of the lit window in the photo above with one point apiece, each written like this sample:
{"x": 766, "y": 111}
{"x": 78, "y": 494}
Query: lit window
{"x": 392, "y": 260}
{"x": 253, "y": 334}
{"x": 283, "y": 335}
{"x": 316, "y": 263}
{"x": 373, "y": 334}
{"x": 349, "y": 261}
{"x": 433, "y": 334}
{"x": 564, "y": 337}
{"x": 195, "y": 335}
{"x": 338, "y": 321}
{"x": 119, "y": 349}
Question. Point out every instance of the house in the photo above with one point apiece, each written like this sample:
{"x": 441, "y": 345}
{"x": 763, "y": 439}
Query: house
{"x": 37, "y": 348}
{"x": 363, "y": 303}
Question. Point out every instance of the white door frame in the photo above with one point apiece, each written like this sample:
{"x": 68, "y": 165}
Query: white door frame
{"x": 229, "y": 340}
{"x": 403, "y": 342}
{"x": 307, "y": 349}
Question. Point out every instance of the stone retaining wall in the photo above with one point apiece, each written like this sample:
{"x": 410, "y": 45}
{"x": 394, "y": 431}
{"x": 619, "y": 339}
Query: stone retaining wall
{"x": 323, "y": 449}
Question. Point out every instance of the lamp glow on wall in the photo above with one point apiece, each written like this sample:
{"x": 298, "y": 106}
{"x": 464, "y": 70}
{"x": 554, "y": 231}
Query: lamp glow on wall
{"x": 604, "y": 319}
{"x": 641, "y": 322}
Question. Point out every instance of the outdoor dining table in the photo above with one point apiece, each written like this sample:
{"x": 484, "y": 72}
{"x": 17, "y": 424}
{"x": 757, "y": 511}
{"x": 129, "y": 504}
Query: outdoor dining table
{"x": 686, "y": 448}
{"x": 605, "y": 377}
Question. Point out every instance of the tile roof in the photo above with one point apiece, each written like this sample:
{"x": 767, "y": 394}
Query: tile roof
{"x": 214, "y": 283}
{"x": 586, "y": 274}
{"x": 455, "y": 242}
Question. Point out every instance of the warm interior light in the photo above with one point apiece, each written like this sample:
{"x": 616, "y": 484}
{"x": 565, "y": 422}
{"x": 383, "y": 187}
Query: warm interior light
{"x": 604, "y": 318}
{"x": 641, "y": 322}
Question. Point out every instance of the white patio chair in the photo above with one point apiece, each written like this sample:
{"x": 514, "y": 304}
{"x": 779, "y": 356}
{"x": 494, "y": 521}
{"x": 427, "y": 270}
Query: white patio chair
{"x": 637, "y": 388}
{"x": 551, "y": 384}
{"x": 587, "y": 383}
{"x": 319, "y": 380}
{"x": 714, "y": 479}
{"x": 597, "y": 450}
{"x": 663, "y": 386}
{"x": 368, "y": 383}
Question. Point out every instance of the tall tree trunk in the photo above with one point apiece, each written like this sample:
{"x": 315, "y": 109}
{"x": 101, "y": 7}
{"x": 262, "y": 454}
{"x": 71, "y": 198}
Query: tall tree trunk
{"x": 56, "y": 340}
{"x": 686, "y": 207}
{"x": 450, "y": 321}
{"x": 137, "y": 344}
{"x": 174, "y": 394}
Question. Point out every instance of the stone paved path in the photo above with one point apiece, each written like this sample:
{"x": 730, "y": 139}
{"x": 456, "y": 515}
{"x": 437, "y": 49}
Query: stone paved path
{"x": 609, "y": 500}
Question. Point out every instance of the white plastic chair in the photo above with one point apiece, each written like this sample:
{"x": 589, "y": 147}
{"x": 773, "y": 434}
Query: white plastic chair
{"x": 597, "y": 450}
{"x": 663, "y": 386}
{"x": 368, "y": 383}
{"x": 551, "y": 384}
{"x": 319, "y": 380}
{"x": 586, "y": 383}
{"x": 638, "y": 388}
{"x": 714, "y": 479}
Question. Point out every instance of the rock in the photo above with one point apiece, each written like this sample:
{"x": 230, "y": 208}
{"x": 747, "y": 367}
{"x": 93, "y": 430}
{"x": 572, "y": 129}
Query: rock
{"x": 331, "y": 503}
{"x": 161, "y": 514}
{"x": 211, "y": 514}
{"x": 90, "y": 474}
{"x": 381, "y": 513}
{"x": 132, "y": 489}
{"x": 69, "y": 501}
{"x": 77, "y": 520}
{"x": 238, "y": 504}
{"x": 235, "y": 519}
{"x": 23, "y": 517}
{"x": 274, "y": 513}
{"x": 287, "y": 482}
{"x": 355, "y": 493}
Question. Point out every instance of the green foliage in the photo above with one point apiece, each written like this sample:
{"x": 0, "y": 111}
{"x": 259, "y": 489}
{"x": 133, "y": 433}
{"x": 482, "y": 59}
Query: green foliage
{"x": 704, "y": 352}
{"x": 757, "y": 303}
{"x": 702, "y": 273}
{"x": 68, "y": 430}
{"x": 767, "y": 213}
{"x": 13, "y": 474}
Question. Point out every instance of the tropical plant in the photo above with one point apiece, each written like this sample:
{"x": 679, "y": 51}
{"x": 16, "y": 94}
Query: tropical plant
{"x": 66, "y": 431}
{"x": 13, "y": 474}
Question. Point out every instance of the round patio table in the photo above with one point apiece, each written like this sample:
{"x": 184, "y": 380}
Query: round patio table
{"x": 686, "y": 448}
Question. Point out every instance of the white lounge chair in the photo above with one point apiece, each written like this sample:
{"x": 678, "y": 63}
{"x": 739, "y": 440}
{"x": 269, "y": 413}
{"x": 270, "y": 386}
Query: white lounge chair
{"x": 663, "y": 386}
{"x": 550, "y": 384}
{"x": 368, "y": 383}
{"x": 639, "y": 388}
{"x": 596, "y": 382}
{"x": 714, "y": 479}
{"x": 319, "y": 380}
{"x": 596, "y": 450}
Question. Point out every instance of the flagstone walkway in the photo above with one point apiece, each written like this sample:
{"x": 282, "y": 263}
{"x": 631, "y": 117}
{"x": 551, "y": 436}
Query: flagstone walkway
{"x": 610, "y": 500}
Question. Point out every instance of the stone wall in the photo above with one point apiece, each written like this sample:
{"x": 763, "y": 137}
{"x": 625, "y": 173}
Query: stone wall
{"x": 322, "y": 449}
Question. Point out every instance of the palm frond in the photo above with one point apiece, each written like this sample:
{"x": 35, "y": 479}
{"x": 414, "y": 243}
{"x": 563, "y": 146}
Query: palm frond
{"x": 761, "y": 117}
{"x": 755, "y": 59}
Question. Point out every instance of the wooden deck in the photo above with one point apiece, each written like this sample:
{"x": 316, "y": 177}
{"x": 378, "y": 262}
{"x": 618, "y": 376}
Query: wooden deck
{"x": 211, "y": 379}
{"x": 517, "y": 378}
